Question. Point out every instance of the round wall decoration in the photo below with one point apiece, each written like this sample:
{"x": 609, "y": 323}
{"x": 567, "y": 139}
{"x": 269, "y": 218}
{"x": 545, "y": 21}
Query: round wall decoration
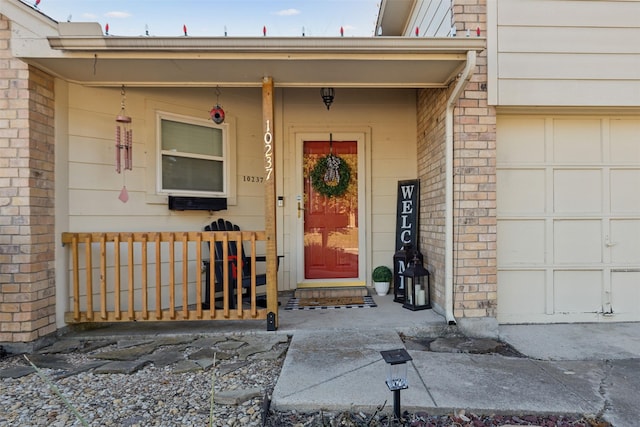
{"x": 331, "y": 176}
{"x": 217, "y": 114}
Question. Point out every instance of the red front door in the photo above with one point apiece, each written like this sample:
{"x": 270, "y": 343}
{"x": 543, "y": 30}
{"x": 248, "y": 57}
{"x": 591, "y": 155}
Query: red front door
{"x": 330, "y": 223}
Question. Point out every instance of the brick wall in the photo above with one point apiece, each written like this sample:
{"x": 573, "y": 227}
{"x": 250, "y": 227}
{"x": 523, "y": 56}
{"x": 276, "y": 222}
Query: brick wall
{"x": 27, "y": 279}
{"x": 431, "y": 165}
{"x": 475, "y": 279}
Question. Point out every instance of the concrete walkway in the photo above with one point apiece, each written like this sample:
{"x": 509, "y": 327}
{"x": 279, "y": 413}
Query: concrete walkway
{"x": 590, "y": 369}
{"x": 334, "y": 363}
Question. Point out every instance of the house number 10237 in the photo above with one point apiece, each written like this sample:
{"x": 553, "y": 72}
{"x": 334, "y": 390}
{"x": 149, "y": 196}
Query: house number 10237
{"x": 268, "y": 152}
{"x": 248, "y": 178}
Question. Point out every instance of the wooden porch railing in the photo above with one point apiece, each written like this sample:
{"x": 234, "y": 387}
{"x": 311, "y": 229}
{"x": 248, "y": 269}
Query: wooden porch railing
{"x": 123, "y": 276}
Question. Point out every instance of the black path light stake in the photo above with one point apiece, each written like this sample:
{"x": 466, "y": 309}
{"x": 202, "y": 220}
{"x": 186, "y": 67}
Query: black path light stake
{"x": 396, "y": 374}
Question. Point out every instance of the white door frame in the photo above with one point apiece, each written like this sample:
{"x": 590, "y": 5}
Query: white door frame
{"x": 297, "y": 239}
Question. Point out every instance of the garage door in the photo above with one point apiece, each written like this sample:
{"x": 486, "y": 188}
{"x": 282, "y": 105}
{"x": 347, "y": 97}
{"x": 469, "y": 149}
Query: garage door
{"x": 568, "y": 200}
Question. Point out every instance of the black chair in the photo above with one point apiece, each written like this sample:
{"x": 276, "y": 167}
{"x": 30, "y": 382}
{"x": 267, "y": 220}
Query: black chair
{"x": 245, "y": 262}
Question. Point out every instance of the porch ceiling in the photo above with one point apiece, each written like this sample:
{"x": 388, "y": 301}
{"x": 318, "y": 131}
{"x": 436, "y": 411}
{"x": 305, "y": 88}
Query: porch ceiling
{"x": 243, "y": 62}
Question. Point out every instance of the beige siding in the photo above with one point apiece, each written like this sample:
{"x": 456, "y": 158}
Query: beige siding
{"x": 433, "y": 19}
{"x": 564, "y": 53}
{"x": 388, "y": 117}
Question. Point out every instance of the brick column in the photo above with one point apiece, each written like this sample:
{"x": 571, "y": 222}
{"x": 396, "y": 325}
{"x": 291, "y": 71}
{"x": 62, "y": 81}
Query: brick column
{"x": 431, "y": 166}
{"x": 475, "y": 278}
{"x": 27, "y": 256}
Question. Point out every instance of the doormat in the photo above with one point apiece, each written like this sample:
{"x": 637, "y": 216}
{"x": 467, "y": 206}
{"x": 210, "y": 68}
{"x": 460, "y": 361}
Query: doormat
{"x": 329, "y": 303}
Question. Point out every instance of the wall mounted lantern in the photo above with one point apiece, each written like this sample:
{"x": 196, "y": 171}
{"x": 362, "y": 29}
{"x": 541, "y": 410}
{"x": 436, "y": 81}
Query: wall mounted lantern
{"x": 327, "y": 94}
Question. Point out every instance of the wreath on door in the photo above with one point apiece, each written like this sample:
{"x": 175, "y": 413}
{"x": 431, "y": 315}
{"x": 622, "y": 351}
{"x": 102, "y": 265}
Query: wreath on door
{"x": 331, "y": 176}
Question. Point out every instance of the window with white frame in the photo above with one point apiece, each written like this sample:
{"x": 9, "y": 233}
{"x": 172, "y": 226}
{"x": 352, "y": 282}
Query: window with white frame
{"x": 193, "y": 156}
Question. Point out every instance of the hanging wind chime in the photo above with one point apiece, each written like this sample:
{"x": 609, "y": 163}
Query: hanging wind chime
{"x": 123, "y": 145}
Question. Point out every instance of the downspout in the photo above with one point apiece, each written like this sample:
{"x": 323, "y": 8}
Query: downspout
{"x": 463, "y": 79}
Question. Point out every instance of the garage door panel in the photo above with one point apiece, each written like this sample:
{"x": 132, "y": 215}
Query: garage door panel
{"x": 521, "y": 242}
{"x": 625, "y": 292}
{"x": 625, "y": 241}
{"x": 521, "y": 191}
{"x": 577, "y": 141}
{"x": 568, "y": 234}
{"x": 521, "y": 147}
{"x": 577, "y": 291}
{"x": 577, "y": 190}
{"x": 521, "y": 292}
{"x": 577, "y": 242}
{"x": 624, "y": 146}
{"x": 625, "y": 190}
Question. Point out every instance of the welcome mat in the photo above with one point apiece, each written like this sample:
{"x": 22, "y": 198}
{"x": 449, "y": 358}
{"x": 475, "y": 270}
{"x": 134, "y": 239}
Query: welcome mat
{"x": 329, "y": 303}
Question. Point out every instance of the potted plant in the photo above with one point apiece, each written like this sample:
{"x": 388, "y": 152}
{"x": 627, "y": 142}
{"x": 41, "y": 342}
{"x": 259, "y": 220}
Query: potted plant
{"x": 381, "y": 279}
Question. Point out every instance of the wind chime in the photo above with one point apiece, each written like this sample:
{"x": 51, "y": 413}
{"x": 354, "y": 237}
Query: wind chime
{"x": 123, "y": 145}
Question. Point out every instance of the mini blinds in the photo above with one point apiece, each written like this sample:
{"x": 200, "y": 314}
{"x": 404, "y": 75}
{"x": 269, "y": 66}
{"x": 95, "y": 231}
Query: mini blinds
{"x": 192, "y": 158}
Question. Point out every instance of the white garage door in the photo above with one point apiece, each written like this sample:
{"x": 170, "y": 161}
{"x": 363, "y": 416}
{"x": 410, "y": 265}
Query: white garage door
{"x": 568, "y": 199}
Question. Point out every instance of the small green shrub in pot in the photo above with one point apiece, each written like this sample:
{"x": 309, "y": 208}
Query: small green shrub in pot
{"x": 381, "y": 279}
{"x": 381, "y": 274}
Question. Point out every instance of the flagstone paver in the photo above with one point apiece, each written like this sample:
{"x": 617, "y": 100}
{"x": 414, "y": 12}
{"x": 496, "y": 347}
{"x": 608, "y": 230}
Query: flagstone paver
{"x": 121, "y": 367}
{"x": 236, "y": 397}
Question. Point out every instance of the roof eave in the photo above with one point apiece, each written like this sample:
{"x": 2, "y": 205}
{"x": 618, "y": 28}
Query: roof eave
{"x": 351, "y": 45}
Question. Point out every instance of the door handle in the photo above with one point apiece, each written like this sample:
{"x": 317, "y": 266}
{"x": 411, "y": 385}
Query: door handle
{"x": 608, "y": 243}
{"x": 300, "y": 208}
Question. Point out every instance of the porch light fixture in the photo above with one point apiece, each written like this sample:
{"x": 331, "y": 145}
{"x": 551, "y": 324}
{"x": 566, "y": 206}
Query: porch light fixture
{"x": 327, "y": 94}
{"x": 417, "y": 289}
{"x": 396, "y": 374}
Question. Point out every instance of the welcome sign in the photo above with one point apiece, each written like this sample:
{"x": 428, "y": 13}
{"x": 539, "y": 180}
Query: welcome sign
{"x": 406, "y": 232}
{"x": 407, "y": 213}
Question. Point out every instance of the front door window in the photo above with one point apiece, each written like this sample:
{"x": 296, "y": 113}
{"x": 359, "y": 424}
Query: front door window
{"x": 331, "y": 248}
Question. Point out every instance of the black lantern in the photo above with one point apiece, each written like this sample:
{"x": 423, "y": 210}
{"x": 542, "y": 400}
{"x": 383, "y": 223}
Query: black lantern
{"x": 396, "y": 374}
{"x": 401, "y": 261}
{"x": 327, "y": 94}
{"x": 417, "y": 288}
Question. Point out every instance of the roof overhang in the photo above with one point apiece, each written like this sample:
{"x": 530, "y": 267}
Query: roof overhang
{"x": 292, "y": 62}
{"x": 394, "y": 15}
{"x": 80, "y": 53}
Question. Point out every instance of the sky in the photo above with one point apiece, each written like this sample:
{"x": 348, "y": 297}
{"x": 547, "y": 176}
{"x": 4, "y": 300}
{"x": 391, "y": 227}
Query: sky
{"x": 209, "y": 18}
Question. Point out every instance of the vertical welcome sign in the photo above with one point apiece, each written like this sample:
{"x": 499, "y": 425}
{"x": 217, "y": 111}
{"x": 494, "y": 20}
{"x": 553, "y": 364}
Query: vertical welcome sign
{"x": 407, "y": 213}
{"x": 406, "y": 231}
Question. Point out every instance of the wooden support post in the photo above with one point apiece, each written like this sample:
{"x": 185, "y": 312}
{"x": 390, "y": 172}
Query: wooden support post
{"x": 270, "y": 202}
{"x": 145, "y": 285}
{"x": 130, "y": 268}
{"x": 76, "y": 278}
{"x": 103, "y": 277}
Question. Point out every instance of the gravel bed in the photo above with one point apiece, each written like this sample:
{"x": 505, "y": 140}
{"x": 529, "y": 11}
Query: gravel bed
{"x": 292, "y": 419}
{"x": 158, "y": 396}
{"x": 149, "y": 397}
